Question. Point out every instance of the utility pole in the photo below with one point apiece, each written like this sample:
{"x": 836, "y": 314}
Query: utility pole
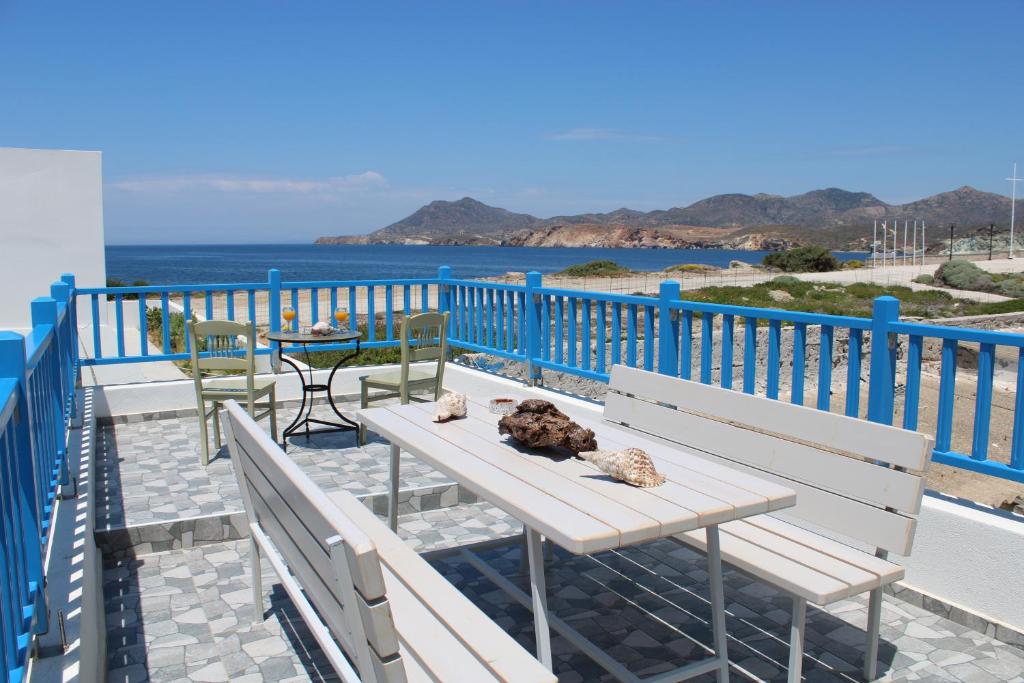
{"x": 874, "y": 246}
{"x": 951, "y": 226}
{"x": 904, "y": 241}
{"x": 991, "y": 229}
{"x": 924, "y": 243}
{"x": 913, "y": 254}
{"x": 1013, "y": 202}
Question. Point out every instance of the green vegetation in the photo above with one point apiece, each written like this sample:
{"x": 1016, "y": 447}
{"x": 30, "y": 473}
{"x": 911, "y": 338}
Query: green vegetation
{"x": 856, "y": 299}
{"x": 852, "y": 264}
{"x": 375, "y": 356}
{"x": 691, "y": 268}
{"x": 966, "y": 275}
{"x": 114, "y": 282}
{"x": 600, "y": 268}
{"x": 803, "y": 260}
{"x": 925, "y": 279}
{"x": 155, "y": 328}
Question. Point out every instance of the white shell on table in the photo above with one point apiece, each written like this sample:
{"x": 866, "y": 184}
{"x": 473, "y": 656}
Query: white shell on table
{"x": 452, "y": 404}
{"x": 321, "y": 329}
{"x": 631, "y": 465}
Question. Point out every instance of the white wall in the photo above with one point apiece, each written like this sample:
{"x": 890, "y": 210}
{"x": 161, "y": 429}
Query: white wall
{"x": 51, "y": 222}
{"x": 969, "y": 555}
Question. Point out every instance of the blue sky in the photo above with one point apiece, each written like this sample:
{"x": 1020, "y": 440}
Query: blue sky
{"x": 268, "y": 121}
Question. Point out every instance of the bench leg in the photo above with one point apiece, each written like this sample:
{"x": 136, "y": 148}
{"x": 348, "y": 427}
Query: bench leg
{"x": 538, "y": 588}
{"x": 396, "y": 457}
{"x": 257, "y": 582}
{"x": 714, "y": 555}
{"x": 796, "y": 639}
{"x": 874, "y": 624}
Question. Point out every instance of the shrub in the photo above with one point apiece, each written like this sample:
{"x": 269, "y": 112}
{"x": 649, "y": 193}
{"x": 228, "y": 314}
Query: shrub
{"x": 1012, "y": 286}
{"x": 600, "y": 268}
{"x": 803, "y": 260}
{"x": 691, "y": 268}
{"x": 963, "y": 275}
{"x": 925, "y": 279}
{"x": 852, "y": 264}
{"x": 785, "y": 281}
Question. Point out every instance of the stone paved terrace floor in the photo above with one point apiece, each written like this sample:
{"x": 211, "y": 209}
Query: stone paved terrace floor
{"x": 185, "y": 614}
{"x": 149, "y": 469}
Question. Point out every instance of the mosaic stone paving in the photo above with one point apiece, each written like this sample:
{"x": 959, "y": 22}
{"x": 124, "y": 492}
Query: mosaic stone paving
{"x": 148, "y": 470}
{"x": 186, "y": 615}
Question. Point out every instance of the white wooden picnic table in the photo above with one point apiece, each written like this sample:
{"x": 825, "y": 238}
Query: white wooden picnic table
{"x": 573, "y": 504}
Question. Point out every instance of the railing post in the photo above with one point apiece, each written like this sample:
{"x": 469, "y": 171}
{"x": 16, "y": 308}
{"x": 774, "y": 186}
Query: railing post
{"x": 534, "y": 281}
{"x": 444, "y": 304}
{"x": 274, "y": 314}
{"x": 668, "y": 328}
{"x": 69, "y": 280}
{"x": 27, "y": 498}
{"x": 44, "y": 312}
{"x": 882, "y": 381}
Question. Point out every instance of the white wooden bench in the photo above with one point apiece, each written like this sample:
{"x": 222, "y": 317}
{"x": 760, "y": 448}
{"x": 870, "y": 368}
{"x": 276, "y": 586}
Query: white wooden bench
{"x": 856, "y": 480}
{"x": 377, "y": 609}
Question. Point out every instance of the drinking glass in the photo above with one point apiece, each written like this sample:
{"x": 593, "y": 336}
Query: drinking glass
{"x": 341, "y": 316}
{"x": 288, "y": 313}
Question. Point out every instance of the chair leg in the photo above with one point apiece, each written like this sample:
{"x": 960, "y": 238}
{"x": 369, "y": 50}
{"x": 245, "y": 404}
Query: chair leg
{"x": 364, "y": 402}
{"x": 874, "y": 624}
{"x": 257, "y": 582}
{"x": 273, "y": 415}
{"x": 204, "y": 437}
{"x": 796, "y": 639}
{"x": 216, "y": 425}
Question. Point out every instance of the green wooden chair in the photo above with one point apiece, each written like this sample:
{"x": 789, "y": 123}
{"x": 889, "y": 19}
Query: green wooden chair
{"x": 220, "y": 339}
{"x": 424, "y": 338}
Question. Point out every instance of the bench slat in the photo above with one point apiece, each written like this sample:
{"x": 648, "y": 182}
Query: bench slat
{"x": 507, "y": 660}
{"x": 886, "y": 571}
{"x": 846, "y": 516}
{"x": 575, "y": 531}
{"x": 851, "y": 477}
{"x": 867, "y": 439}
{"x": 781, "y": 571}
{"x": 306, "y": 558}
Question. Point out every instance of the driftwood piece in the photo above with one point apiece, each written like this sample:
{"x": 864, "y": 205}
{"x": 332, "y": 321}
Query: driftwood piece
{"x": 539, "y": 424}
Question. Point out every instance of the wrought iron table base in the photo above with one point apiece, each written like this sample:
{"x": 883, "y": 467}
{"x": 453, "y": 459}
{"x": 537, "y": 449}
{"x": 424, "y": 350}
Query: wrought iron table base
{"x": 304, "y": 417}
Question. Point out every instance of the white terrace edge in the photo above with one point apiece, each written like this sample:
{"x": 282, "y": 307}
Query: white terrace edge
{"x": 975, "y": 579}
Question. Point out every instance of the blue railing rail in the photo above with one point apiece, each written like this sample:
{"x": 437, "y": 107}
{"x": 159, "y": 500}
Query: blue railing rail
{"x": 584, "y": 333}
{"x": 38, "y": 381}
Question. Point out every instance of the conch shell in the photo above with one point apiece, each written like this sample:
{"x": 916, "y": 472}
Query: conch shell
{"x": 631, "y": 465}
{"x": 452, "y": 404}
{"x": 321, "y": 329}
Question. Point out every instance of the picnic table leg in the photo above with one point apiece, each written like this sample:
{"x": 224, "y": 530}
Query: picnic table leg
{"x": 538, "y": 588}
{"x": 393, "y": 491}
{"x": 714, "y": 555}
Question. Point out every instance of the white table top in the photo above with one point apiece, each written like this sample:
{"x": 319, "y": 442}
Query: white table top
{"x": 569, "y": 500}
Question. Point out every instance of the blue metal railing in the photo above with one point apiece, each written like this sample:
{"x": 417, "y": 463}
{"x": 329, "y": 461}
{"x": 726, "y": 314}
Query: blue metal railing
{"x": 584, "y": 333}
{"x": 38, "y": 380}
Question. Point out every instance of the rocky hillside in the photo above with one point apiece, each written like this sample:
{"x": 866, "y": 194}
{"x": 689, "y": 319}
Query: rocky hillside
{"x": 465, "y": 221}
{"x": 832, "y": 217}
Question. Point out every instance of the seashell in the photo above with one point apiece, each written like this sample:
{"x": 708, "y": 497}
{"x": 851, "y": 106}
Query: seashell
{"x": 631, "y": 465}
{"x": 452, "y": 404}
{"x": 321, "y": 329}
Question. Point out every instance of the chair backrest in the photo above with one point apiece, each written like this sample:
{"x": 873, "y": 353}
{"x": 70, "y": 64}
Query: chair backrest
{"x": 424, "y": 338}
{"x": 856, "y": 478}
{"x": 220, "y": 340}
{"x": 332, "y": 558}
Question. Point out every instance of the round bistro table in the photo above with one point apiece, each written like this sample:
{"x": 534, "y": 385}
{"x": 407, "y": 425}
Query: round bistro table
{"x": 309, "y": 388}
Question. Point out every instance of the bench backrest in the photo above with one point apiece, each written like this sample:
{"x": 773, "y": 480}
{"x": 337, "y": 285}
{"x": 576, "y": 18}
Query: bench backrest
{"x": 859, "y": 479}
{"x": 334, "y": 561}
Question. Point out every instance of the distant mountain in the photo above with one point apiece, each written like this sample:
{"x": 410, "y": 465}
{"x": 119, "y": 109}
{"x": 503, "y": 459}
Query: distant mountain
{"x": 832, "y": 216}
{"x": 465, "y": 221}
